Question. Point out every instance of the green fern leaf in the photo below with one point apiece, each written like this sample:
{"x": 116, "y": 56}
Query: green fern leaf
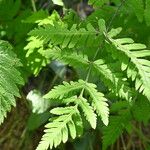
{"x": 97, "y": 99}
{"x": 62, "y": 90}
{"x": 112, "y": 132}
{"x": 119, "y": 105}
{"x": 69, "y": 119}
{"x": 141, "y": 110}
{"x": 138, "y": 8}
{"x": 141, "y": 9}
{"x": 36, "y": 60}
{"x": 57, "y": 130}
{"x": 68, "y": 57}
{"x": 58, "y": 2}
{"x": 8, "y": 9}
{"x": 36, "y": 17}
{"x": 61, "y": 35}
{"x": 99, "y": 102}
{"x": 114, "y": 32}
{"x": 113, "y": 79}
{"x": 35, "y": 48}
{"x": 72, "y": 129}
{"x": 9, "y": 78}
{"x": 138, "y": 68}
{"x": 62, "y": 111}
{"x": 88, "y": 111}
{"x": 38, "y": 57}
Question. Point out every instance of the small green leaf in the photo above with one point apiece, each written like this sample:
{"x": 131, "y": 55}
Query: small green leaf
{"x": 58, "y": 2}
{"x": 102, "y": 25}
{"x": 88, "y": 111}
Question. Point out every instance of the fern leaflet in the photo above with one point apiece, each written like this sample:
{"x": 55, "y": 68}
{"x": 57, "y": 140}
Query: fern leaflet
{"x": 61, "y": 91}
{"x": 113, "y": 79}
{"x": 138, "y": 8}
{"x": 115, "y": 128}
{"x": 98, "y": 102}
{"x": 57, "y": 130}
{"x": 9, "y": 78}
{"x": 68, "y": 57}
{"x": 61, "y": 35}
{"x": 88, "y": 111}
{"x": 138, "y": 68}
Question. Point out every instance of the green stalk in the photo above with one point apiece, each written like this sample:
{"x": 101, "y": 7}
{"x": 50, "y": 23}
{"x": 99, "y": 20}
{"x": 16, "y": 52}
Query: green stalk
{"x": 33, "y": 5}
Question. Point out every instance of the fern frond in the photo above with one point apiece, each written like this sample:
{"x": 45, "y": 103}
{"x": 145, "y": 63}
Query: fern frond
{"x": 36, "y": 17}
{"x": 112, "y": 132}
{"x": 9, "y": 78}
{"x": 36, "y": 48}
{"x": 88, "y": 111}
{"x": 58, "y": 130}
{"x": 57, "y": 37}
{"x": 69, "y": 117}
{"x": 141, "y": 9}
{"x": 138, "y": 8}
{"x": 99, "y": 102}
{"x": 35, "y": 57}
{"x": 131, "y": 56}
{"x": 8, "y": 9}
{"x": 61, "y": 35}
{"x": 61, "y": 91}
{"x": 114, "y": 32}
{"x": 119, "y": 105}
{"x": 114, "y": 80}
{"x": 141, "y": 109}
{"x": 44, "y": 56}
{"x": 68, "y": 57}
{"x": 33, "y": 44}
{"x": 58, "y": 2}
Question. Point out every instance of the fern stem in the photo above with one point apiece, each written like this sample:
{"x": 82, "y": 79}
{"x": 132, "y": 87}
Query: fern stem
{"x": 123, "y": 143}
{"x": 118, "y": 144}
{"x": 89, "y": 70}
{"x": 56, "y": 77}
{"x": 86, "y": 80}
{"x": 140, "y": 142}
{"x": 95, "y": 55}
{"x": 33, "y": 5}
{"x": 129, "y": 144}
{"x": 141, "y": 135}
